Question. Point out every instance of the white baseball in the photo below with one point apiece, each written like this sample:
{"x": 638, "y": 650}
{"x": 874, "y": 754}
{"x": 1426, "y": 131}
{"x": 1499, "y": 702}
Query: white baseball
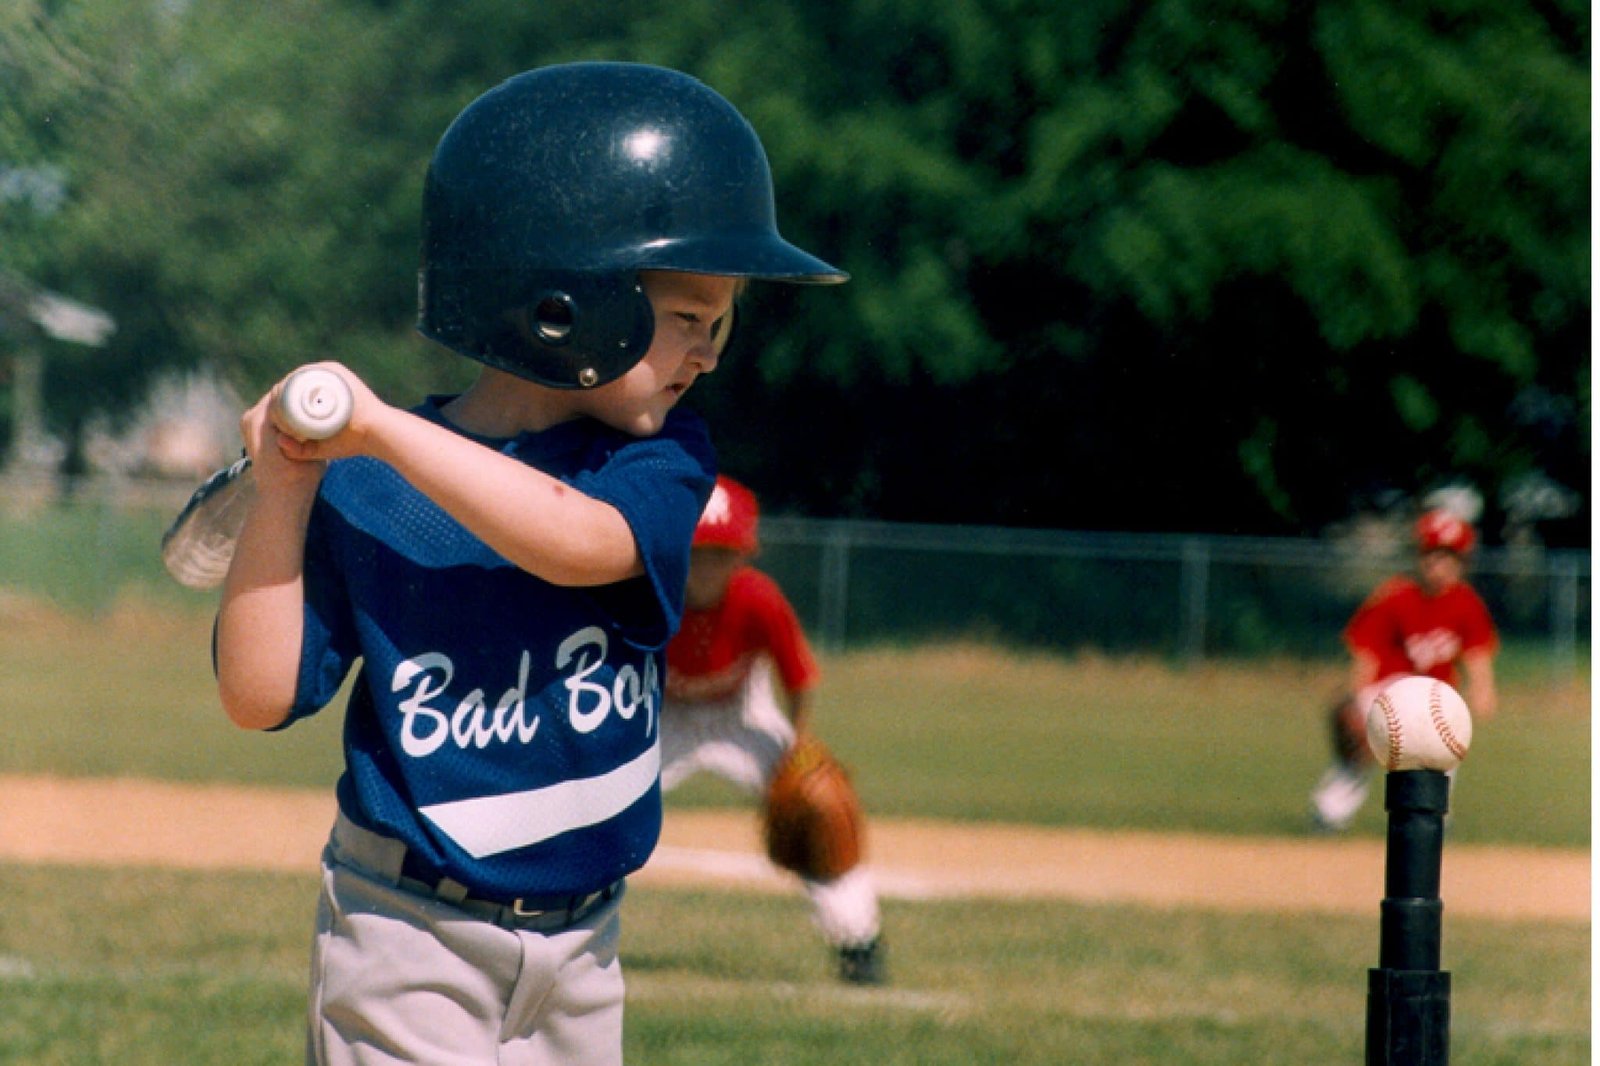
{"x": 1418, "y": 723}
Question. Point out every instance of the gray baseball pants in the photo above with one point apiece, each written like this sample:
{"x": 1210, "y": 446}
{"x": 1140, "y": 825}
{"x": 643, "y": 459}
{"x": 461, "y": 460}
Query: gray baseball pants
{"x": 398, "y": 976}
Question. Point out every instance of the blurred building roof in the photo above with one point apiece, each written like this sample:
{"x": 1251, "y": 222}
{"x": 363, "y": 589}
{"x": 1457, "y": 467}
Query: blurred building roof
{"x": 57, "y": 316}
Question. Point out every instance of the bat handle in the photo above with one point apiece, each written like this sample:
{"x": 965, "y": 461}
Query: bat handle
{"x": 315, "y": 404}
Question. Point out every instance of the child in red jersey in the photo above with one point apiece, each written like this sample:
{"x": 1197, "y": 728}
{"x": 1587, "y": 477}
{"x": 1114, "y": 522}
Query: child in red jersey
{"x": 1428, "y": 625}
{"x": 740, "y": 674}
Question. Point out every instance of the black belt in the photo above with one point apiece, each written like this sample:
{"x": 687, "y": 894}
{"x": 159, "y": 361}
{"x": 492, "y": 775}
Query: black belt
{"x": 524, "y": 912}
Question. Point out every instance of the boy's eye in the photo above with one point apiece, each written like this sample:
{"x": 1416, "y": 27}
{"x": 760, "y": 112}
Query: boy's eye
{"x": 716, "y": 332}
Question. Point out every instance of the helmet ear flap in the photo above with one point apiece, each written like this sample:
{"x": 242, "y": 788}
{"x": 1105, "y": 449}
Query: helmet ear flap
{"x": 548, "y": 320}
{"x": 564, "y": 330}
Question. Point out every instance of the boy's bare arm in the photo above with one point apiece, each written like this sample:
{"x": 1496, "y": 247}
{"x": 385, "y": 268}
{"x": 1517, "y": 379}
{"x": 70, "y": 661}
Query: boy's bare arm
{"x": 1363, "y": 670}
{"x": 537, "y": 522}
{"x": 260, "y": 623}
{"x": 798, "y": 706}
{"x": 1478, "y": 665}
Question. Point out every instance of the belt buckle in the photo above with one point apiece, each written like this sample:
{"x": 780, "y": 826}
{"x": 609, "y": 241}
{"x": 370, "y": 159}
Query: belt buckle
{"x": 520, "y": 911}
{"x": 572, "y": 909}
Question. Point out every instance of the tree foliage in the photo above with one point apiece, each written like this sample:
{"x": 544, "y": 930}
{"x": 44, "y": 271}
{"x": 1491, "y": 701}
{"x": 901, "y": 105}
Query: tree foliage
{"x": 1239, "y": 265}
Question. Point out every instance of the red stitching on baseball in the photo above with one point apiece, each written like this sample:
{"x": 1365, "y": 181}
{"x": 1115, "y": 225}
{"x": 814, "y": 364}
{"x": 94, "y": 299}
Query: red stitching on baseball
{"x": 1436, "y": 712}
{"x": 1392, "y": 719}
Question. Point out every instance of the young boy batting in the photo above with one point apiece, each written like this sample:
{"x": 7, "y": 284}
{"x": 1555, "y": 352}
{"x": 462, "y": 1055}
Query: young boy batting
{"x": 506, "y": 566}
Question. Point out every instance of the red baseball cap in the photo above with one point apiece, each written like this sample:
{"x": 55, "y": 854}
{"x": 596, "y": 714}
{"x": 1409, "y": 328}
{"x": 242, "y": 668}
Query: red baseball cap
{"x": 730, "y": 518}
{"x": 1439, "y": 530}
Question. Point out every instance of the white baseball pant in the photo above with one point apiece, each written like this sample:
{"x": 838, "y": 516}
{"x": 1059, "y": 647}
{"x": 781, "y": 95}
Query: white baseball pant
{"x": 741, "y": 739}
{"x": 398, "y": 977}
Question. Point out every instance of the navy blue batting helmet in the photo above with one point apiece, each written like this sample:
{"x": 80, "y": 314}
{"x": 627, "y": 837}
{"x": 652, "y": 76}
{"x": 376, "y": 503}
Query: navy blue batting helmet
{"x": 550, "y": 193}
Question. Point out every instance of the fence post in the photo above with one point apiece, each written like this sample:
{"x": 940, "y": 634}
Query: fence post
{"x": 835, "y": 580}
{"x": 1194, "y": 576}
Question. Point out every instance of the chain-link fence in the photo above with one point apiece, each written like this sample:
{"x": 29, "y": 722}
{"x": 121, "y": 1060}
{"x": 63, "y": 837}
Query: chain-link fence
{"x": 1184, "y": 596}
{"x": 859, "y": 583}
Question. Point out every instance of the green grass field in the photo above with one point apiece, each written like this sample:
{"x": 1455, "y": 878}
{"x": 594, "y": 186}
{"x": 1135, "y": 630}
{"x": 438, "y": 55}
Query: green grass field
{"x": 150, "y": 966}
{"x": 83, "y": 555}
{"x": 953, "y": 732}
{"x": 156, "y": 967}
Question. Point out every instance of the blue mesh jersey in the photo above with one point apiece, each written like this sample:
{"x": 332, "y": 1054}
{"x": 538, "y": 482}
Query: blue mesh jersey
{"x": 506, "y": 729}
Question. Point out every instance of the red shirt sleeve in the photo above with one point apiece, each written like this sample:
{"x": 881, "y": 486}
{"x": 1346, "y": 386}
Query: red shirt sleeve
{"x": 1374, "y": 628}
{"x": 1473, "y": 621}
{"x": 774, "y": 628}
{"x": 713, "y": 652}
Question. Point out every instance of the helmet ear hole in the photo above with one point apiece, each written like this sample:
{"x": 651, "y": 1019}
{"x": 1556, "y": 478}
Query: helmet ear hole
{"x": 553, "y": 318}
{"x": 575, "y": 331}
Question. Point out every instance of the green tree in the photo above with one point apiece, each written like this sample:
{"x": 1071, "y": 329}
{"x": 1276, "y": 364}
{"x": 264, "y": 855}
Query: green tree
{"x": 1228, "y": 264}
{"x": 1233, "y": 265}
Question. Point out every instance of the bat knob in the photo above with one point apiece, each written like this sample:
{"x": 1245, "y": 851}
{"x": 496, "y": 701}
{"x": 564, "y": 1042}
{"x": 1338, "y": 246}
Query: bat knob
{"x": 315, "y": 404}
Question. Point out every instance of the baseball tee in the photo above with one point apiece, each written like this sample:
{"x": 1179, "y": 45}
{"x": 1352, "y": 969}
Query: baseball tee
{"x": 502, "y": 727}
{"x": 1412, "y": 632}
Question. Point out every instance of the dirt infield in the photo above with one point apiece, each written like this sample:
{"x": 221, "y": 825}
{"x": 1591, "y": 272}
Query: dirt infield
{"x": 122, "y": 821}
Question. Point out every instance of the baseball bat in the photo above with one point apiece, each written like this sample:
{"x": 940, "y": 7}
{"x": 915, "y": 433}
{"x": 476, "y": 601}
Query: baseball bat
{"x": 197, "y": 549}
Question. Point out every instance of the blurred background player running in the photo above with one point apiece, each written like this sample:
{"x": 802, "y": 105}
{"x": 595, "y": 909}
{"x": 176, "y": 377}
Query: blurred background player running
{"x": 1429, "y": 625}
{"x": 740, "y": 674}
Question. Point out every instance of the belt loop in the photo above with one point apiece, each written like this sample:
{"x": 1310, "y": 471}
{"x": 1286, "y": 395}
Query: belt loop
{"x": 370, "y": 851}
{"x": 450, "y": 891}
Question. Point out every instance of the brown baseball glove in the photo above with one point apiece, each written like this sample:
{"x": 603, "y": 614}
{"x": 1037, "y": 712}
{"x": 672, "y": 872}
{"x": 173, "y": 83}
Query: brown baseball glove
{"x": 813, "y": 820}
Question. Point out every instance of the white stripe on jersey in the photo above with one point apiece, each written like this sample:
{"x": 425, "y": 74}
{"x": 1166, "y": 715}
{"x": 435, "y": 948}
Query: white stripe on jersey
{"x": 489, "y": 825}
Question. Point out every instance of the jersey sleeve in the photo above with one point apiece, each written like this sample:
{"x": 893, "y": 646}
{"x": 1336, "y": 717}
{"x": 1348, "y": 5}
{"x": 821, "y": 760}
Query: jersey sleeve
{"x": 328, "y": 646}
{"x": 780, "y": 633}
{"x": 1372, "y": 627}
{"x": 660, "y": 485}
{"x": 1475, "y": 624}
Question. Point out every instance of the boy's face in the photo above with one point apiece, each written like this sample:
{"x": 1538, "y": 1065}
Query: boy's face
{"x": 710, "y": 570}
{"x": 1441, "y": 569}
{"x": 693, "y": 313}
